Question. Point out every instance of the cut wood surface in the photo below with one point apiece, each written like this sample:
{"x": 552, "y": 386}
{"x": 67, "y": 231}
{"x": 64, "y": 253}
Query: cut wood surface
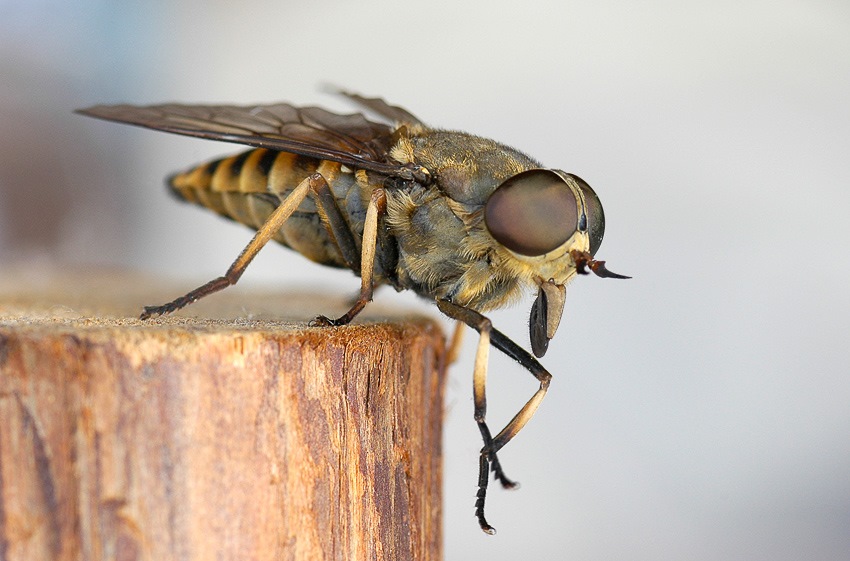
{"x": 221, "y": 433}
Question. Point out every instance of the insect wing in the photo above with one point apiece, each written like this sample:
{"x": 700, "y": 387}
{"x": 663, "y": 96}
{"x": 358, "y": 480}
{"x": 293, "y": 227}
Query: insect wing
{"x": 382, "y": 108}
{"x": 308, "y": 131}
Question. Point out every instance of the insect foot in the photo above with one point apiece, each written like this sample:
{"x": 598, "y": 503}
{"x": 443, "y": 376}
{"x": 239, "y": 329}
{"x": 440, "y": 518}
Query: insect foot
{"x": 213, "y": 286}
{"x": 324, "y": 321}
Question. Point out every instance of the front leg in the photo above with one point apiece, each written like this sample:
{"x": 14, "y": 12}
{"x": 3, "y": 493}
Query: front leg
{"x": 488, "y": 459}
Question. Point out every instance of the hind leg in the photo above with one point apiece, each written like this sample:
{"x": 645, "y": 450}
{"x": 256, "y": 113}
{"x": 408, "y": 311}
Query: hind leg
{"x": 260, "y": 239}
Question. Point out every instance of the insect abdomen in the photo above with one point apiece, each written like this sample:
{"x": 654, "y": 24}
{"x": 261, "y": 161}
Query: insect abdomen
{"x": 247, "y": 187}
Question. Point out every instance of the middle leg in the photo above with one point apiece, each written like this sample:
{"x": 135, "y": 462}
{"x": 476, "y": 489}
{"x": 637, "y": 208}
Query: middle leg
{"x": 377, "y": 207}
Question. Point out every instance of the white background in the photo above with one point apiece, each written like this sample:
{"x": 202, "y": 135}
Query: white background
{"x": 699, "y": 411}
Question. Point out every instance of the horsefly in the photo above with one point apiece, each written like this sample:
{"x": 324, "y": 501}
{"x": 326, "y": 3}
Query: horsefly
{"x": 461, "y": 220}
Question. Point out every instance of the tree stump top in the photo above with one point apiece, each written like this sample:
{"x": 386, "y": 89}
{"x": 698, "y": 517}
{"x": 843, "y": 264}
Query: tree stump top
{"x": 234, "y": 431}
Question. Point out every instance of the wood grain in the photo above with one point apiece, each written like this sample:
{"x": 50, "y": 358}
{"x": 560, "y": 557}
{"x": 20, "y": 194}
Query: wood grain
{"x": 194, "y": 438}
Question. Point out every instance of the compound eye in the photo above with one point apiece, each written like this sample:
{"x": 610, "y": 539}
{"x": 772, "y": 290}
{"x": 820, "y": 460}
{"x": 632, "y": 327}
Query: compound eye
{"x": 595, "y": 223}
{"x": 532, "y": 212}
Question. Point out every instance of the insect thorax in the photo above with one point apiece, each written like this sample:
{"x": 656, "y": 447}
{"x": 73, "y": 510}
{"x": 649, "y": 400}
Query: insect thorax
{"x": 444, "y": 248}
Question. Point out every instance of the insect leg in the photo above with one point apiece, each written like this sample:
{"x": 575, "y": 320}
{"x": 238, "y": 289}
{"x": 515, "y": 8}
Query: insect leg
{"x": 261, "y": 238}
{"x": 492, "y": 445}
{"x": 456, "y": 343}
{"x": 482, "y": 355}
{"x": 377, "y": 207}
{"x": 528, "y": 410}
{"x": 336, "y": 225}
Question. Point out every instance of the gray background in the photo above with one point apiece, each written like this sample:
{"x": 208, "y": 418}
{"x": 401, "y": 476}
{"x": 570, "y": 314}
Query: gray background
{"x": 699, "y": 411}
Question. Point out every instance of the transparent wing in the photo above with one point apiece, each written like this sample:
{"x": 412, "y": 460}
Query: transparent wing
{"x": 309, "y": 131}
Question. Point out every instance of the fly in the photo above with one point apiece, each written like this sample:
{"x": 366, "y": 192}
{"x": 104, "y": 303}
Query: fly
{"x": 461, "y": 220}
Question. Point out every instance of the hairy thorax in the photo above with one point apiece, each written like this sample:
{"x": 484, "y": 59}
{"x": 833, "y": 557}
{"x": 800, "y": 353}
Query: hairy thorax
{"x": 444, "y": 249}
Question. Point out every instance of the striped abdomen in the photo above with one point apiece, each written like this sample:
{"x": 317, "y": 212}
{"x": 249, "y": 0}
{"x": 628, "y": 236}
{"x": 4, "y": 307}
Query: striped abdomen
{"x": 247, "y": 187}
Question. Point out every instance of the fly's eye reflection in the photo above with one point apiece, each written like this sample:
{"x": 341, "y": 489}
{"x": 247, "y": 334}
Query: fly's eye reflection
{"x": 532, "y": 213}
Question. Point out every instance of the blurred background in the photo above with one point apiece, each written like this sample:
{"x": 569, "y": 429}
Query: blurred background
{"x": 699, "y": 411}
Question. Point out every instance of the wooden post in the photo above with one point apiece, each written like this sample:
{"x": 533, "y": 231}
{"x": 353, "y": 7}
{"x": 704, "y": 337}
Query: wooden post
{"x": 215, "y": 439}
